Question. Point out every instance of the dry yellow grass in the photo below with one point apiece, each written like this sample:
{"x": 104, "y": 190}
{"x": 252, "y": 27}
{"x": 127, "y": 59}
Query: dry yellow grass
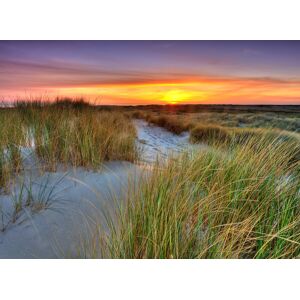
{"x": 64, "y": 132}
{"x": 240, "y": 204}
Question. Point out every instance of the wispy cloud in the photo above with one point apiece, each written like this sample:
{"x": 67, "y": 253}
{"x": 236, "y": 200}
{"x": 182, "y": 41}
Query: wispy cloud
{"x": 145, "y": 72}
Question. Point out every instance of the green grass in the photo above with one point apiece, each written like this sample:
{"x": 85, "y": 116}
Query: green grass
{"x": 214, "y": 204}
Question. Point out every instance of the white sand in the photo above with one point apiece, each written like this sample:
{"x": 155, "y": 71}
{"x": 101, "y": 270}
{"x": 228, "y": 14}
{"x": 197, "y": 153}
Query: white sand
{"x": 156, "y": 141}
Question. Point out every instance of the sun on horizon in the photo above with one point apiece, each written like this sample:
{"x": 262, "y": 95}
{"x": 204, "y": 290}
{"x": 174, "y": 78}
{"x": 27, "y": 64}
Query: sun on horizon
{"x": 176, "y": 96}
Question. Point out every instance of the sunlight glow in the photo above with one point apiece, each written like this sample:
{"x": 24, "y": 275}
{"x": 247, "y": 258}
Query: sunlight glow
{"x": 205, "y": 91}
{"x": 176, "y": 96}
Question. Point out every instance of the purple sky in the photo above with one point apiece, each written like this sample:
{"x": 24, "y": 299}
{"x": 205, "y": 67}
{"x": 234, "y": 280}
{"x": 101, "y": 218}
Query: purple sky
{"x": 133, "y": 72}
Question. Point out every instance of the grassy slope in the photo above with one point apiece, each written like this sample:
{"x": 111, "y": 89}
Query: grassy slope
{"x": 65, "y": 132}
{"x": 241, "y": 204}
{"x": 280, "y": 117}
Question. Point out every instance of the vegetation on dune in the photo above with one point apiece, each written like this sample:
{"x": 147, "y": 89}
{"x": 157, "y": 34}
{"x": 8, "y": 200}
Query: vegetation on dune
{"x": 65, "y": 131}
{"x": 213, "y": 133}
{"x": 11, "y": 136}
{"x": 84, "y": 138}
{"x": 30, "y": 197}
{"x": 61, "y": 132}
{"x": 209, "y": 134}
{"x": 248, "y": 117}
{"x": 168, "y": 122}
{"x": 290, "y": 122}
{"x": 243, "y": 116}
{"x": 237, "y": 199}
{"x": 241, "y": 204}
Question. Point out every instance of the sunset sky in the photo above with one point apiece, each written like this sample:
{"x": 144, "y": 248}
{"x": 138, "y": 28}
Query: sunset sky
{"x": 158, "y": 72}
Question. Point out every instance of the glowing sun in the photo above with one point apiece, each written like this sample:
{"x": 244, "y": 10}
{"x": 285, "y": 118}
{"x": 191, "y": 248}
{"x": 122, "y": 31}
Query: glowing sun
{"x": 175, "y": 96}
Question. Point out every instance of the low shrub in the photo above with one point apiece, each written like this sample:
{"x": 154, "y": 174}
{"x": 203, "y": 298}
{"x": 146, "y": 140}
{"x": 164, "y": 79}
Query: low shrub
{"x": 210, "y": 134}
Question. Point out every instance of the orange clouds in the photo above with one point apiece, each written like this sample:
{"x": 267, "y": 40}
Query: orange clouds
{"x": 212, "y": 90}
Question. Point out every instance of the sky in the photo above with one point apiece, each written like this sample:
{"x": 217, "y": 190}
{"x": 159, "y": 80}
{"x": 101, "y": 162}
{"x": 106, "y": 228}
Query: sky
{"x": 152, "y": 72}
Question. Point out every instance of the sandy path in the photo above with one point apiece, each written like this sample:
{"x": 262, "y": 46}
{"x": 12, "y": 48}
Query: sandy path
{"x": 158, "y": 142}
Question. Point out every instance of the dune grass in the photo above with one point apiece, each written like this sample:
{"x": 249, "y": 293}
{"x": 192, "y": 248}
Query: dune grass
{"x": 244, "y": 203}
{"x": 281, "y": 117}
{"x": 168, "y": 122}
{"x": 66, "y": 131}
{"x": 62, "y": 133}
{"x": 214, "y": 134}
{"x": 11, "y": 136}
{"x": 29, "y": 197}
{"x": 84, "y": 139}
{"x": 209, "y": 134}
{"x": 81, "y": 135}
